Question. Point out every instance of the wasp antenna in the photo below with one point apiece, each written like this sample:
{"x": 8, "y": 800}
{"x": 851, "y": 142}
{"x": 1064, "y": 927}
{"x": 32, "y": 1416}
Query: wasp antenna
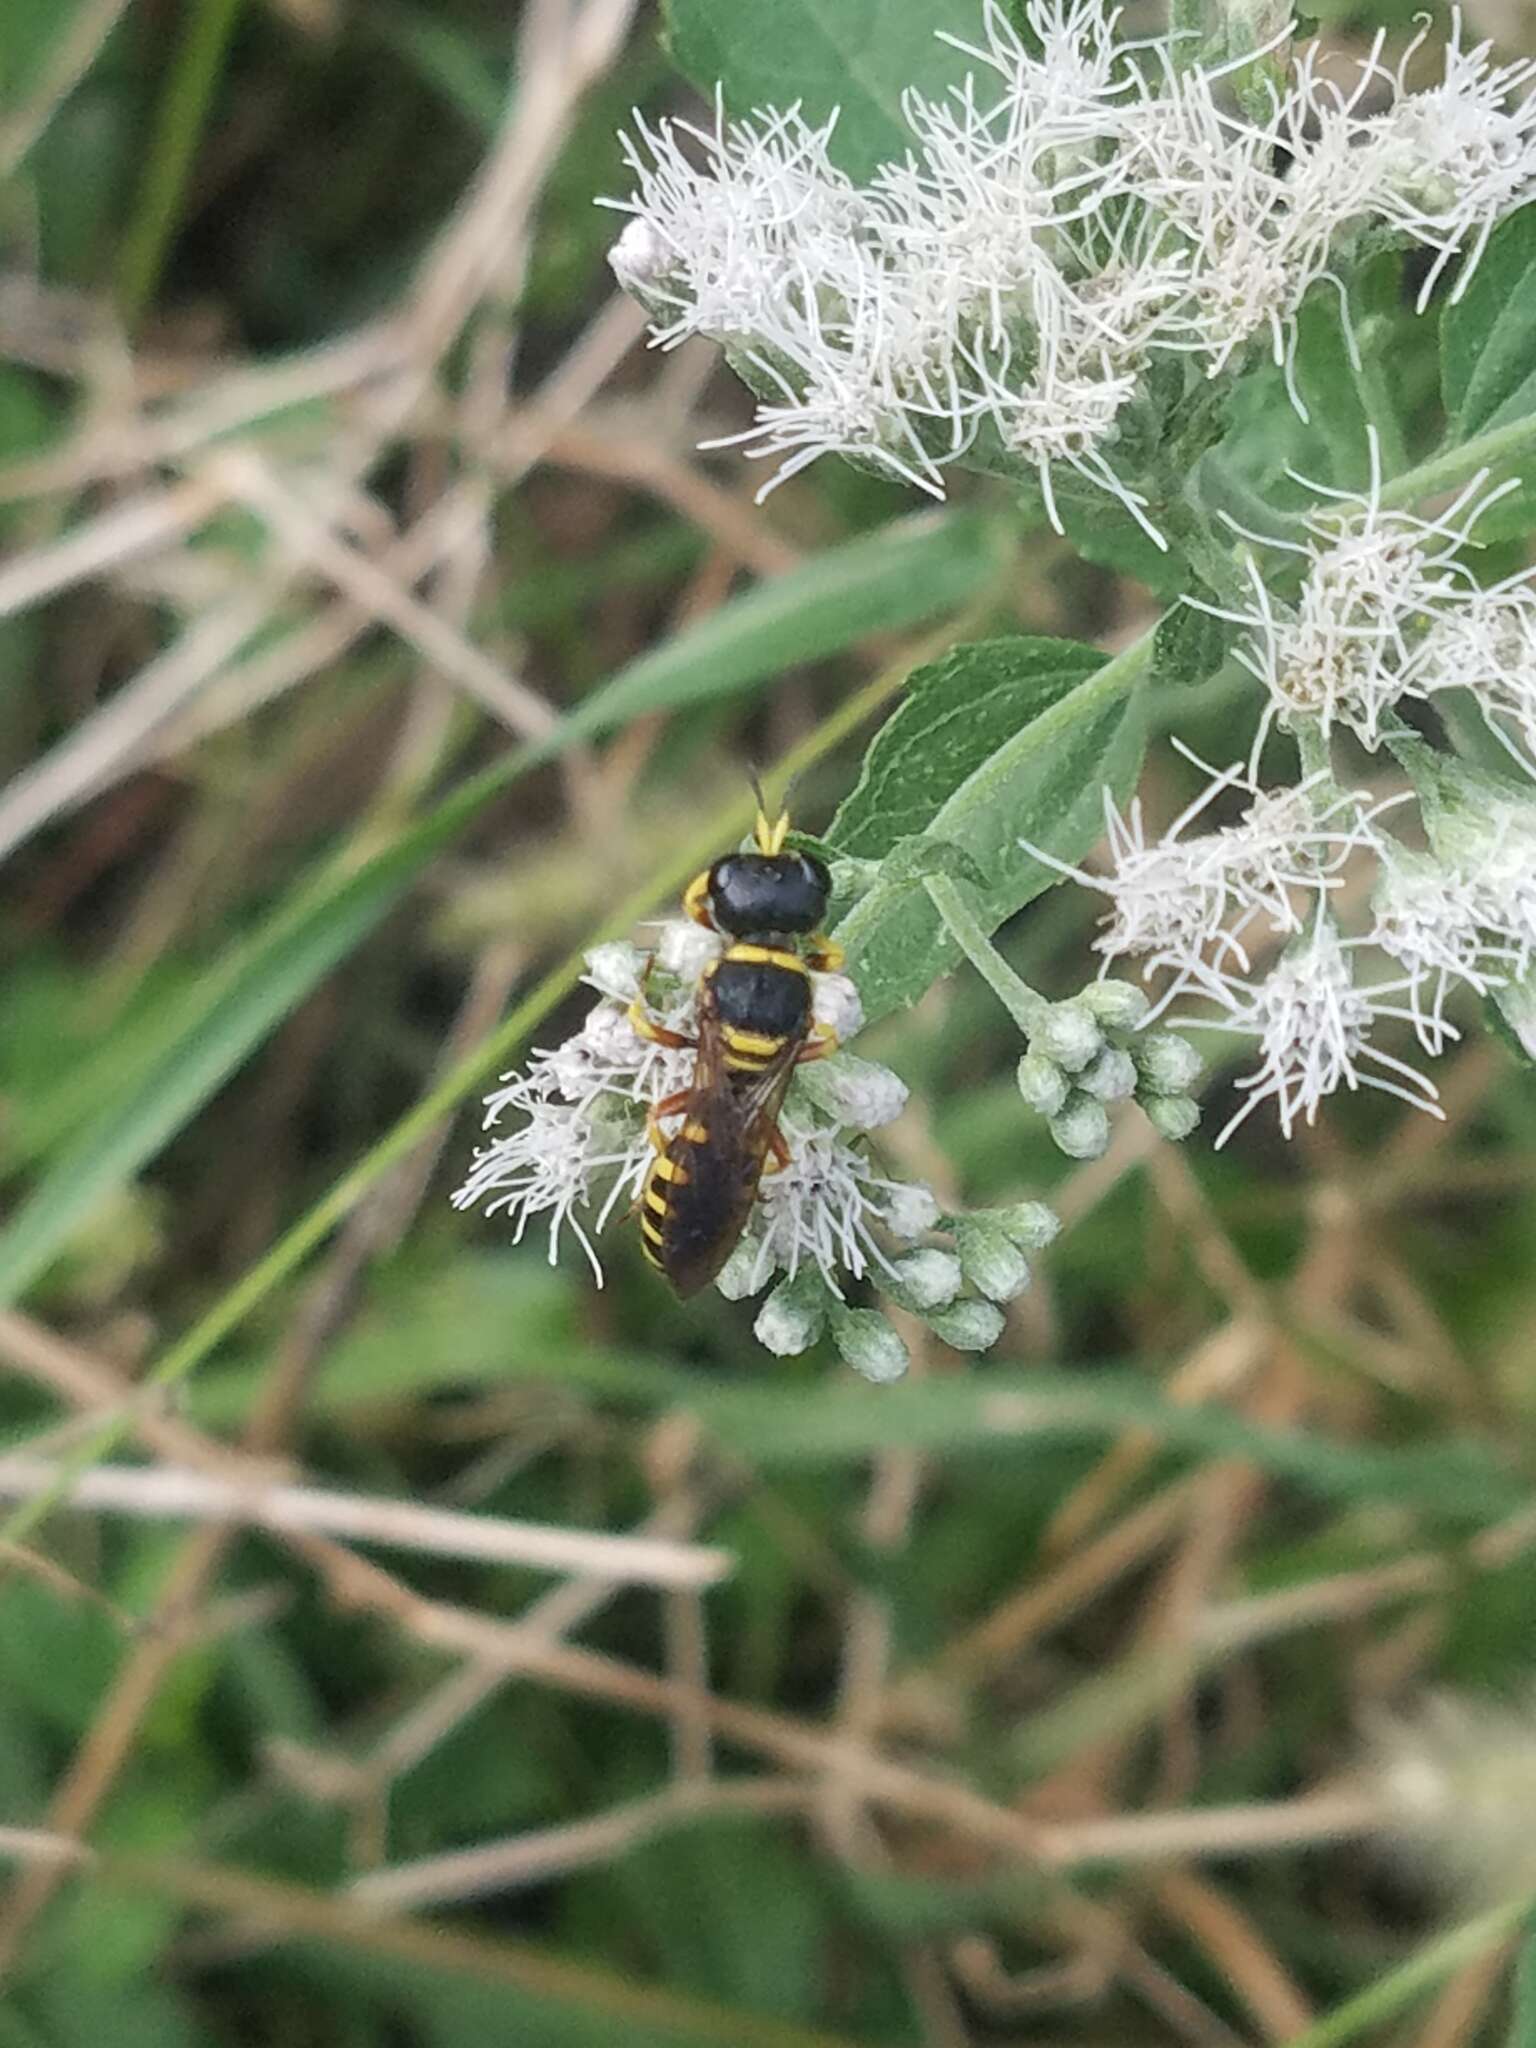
{"x": 770, "y": 832}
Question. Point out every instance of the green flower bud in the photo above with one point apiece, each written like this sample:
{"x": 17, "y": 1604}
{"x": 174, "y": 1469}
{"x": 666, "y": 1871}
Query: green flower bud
{"x": 1109, "y": 1078}
{"x": 1069, "y": 1035}
{"x": 1168, "y": 1064}
{"x": 787, "y": 1324}
{"x": 927, "y": 1280}
{"x": 1042, "y": 1084}
{"x": 1119, "y": 1005}
{"x": 869, "y": 1344}
{"x": 1172, "y": 1116}
{"x": 993, "y": 1262}
{"x": 1031, "y": 1225}
{"x": 1082, "y": 1129}
{"x": 968, "y": 1326}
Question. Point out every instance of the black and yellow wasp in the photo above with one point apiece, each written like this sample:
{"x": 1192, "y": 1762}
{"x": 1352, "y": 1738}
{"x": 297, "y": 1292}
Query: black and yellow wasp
{"x": 754, "y": 1028}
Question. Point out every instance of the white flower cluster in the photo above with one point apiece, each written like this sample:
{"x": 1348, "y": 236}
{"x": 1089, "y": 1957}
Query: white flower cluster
{"x": 1388, "y": 613}
{"x": 1076, "y": 208}
{"x": 1311, "y": 876}
{"x": 582, "y": 1148}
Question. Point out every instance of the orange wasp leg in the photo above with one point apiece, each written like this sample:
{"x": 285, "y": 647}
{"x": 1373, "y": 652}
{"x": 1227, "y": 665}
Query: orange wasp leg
{"x": 826, "y": 956}
{"x": 819, "y": 1046}
{"x": 669, "y": 1105}
{"x": 659, "y": 1034}
{"x": 778, "y": 1145}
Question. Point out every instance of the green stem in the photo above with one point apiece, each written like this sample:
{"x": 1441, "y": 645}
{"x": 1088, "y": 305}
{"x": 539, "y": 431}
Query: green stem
{"x": 1024, "y": 1006}
{"x": 1438, "y": 1960}
{"x": 179, "y": 122}
{"x": 1494, "y": 450}
{"x": 1313, "y": 749}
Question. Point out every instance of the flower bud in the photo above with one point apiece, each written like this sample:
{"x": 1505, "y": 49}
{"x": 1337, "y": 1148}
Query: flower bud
{"x": 1031, "y": 1225}
{"x": 992, "y": 1261}
{"x": 1168, "y": 1064}
{"x": 859, "y": 1093}
{"x": 614, "y": 969}
{"x": 1172, "y": 1116}
{"x": 686, "y": 949}
{"x": 1118, "y": 1005}
{"x": 835, "y": 1003}
{"x": 968, "y": 1326}
{"x": 640, "y": 258}
{"x": 909, "y": 1210}
{"x": 869, "y": 1344}
{"x": 926, "y": 1280}
{"x": 739, "y": 1276}
{"x": 1069, "y": 1035}
{"x": 1109, "y": 1078}
{"x": 1082, "y": 1129}
{"x": 787, "y": 1323}
{"x": 1042, "y": 1084}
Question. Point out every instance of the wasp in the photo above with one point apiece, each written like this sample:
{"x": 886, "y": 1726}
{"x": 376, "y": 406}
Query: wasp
{"x": 754, "y": 1028}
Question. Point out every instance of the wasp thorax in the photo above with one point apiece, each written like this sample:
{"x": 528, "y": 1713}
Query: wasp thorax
{"x": 768, "y": 892}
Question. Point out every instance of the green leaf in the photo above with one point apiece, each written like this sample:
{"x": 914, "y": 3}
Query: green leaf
{"x": 1189, "y": 644}
{"x": 922, "y": 567}
{"x": 1522, "y": 2019}
{"x": 1488, "y": 339}
{"x": 1012, "y": 1414}
{"x": 916, "y": 569}
{"x": 1003, "y": 741}
{"x": 854, "y": 57}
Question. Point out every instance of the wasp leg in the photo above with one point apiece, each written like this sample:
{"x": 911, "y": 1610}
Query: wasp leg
{"x": 669, "y": 1105}
{"x": 778, "y": 1145}
{"x": 822, "y": 1042}
{"x": 696, "y": 901}
{"x": 826, "y": 956}
{"x": 659, "y": 1034}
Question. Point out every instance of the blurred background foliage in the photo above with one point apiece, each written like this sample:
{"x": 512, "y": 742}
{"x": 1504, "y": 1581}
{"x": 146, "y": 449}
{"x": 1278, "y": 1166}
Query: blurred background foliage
{"x": 372, "y": 637}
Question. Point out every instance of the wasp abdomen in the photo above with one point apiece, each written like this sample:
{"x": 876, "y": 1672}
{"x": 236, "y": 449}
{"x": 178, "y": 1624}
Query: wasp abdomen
{"x": 762, "y": 998}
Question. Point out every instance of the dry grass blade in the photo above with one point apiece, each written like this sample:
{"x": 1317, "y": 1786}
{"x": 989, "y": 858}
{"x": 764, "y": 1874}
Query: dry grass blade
{"x": 160, "y": 1492}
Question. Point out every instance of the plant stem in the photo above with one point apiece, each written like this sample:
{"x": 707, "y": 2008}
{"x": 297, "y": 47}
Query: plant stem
{"x": 179, "y": 122}
{"x": 1439, "y": 1959}
{"x": 1452, "y": 466}
{"x": 1024, "y": 1006}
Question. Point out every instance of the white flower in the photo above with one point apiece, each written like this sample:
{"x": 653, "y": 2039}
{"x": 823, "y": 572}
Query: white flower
{"x": 731, "y": 215}
{"x": 1378, "y": 586}
{"x": 1450, "y": 161}
{"x": 615, "y": 969}
{"x": 1430, "y": 920}
{"x": 1313, "y": 1023}
{"x": 1487, "y": 644}
{"x": 1076, "y": 207}
{"x": 829, "y": 1207}
{"x": 1176, "y": 900}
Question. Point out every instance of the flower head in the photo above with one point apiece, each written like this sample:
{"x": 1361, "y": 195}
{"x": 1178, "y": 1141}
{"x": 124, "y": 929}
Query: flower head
{"x": 1313, "y": 1022}
{"x": 1074, "y": 209}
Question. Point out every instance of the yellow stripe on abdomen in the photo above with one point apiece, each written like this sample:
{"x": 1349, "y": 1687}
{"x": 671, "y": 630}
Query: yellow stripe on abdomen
{"x": 762, "y": 1042}
{"x": 772, "y": 956}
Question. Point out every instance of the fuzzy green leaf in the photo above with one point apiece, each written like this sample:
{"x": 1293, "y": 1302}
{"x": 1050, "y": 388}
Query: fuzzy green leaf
{"x": 1488, "y": 339}
{"x": 1004, "y": 741}
{"x": 852, "y": 57}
